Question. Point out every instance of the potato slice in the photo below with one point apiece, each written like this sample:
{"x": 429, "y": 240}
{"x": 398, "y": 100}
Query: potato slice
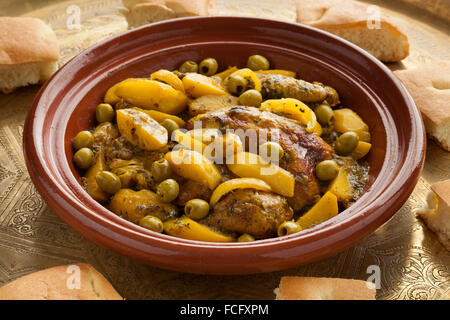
{"x": 134, "y": 205}
{"x": 168, "y": 77}
{"x": 209, "y": 103}
{"x": 238, "y": 183}
{"x": 348, "y": 120}
{"x": 110, "y": 96}
{"x": 198, "y": 85}
{"x": 294, "y": 109}
{"x": 193, "y": 165}
{"x": 188, "y": 141}
{"x": 161, "y": 116}
{"x": 341, "y": 186}
{"x": 187, "y": 228}
{"x": 91, "y": 183}
{"x": 325, "y": 209}
{"x": 250, "y": 165}
{"x": 222, "y": 75}
{"x": 141, "y": 130}
{"x": 361, "y": 150}
{"x": 204, "y": 135}
{"x": 285, "y": 73}
{"x": 151, "y": 94}
{"x": 223, "y": 147}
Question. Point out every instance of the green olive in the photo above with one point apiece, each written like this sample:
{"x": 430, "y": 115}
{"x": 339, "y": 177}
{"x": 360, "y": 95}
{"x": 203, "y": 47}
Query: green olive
{"x": 258, "y": 62}
{"x": 170, "y": 125}
{"x": 346, "y": 143}
{"x": 208, "y": 67}
{"x": 246, "y": 238}
{"x": 327, "y": 170}
{"x": 271, "y": 151}
{"x": 168, "y": 190}
{"x": 160, "y": 170}
{"x": 108, "y": 182}
{"x": 196, "y": 209}
{"x": 236, "y": 84}
{"x": 151, "y": 223}
{"x": 288, "y": 227}
{"x": 188, "y": 66}
{"x": 83, "y": 158}
{"x": 104, "y": 113}
{"x": 324, "y": 114}
{"x": 251, "y": 98}
{"x": 84, "y": 139}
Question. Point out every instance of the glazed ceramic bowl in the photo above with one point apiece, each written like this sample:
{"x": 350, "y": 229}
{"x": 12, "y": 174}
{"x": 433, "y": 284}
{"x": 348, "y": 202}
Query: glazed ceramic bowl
{"x": 66, "y": 104}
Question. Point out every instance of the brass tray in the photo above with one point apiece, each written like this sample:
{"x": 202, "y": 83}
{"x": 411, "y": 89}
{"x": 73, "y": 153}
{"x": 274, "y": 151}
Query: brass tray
{"x": 413, "y": 264}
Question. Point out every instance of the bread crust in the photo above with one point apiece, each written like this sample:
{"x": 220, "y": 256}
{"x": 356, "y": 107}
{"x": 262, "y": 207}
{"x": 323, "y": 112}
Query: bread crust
{"x": 25, "y": 40}
{"x": 179, "y": 7}
{"x": 429, "y": 85}
{"x": 436, "y": 211}
{"x": 348, "y": 19}
{"x": 310, "y": 288}
{"x": 52, "y": 284}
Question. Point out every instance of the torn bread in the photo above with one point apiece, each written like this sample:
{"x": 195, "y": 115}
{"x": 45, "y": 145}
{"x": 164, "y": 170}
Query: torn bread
{"x": 436, "y": 211}
{"x": 356, "y": 22}
{"x": 309, "y": 288}
{"x": 281, "y": 10}
{"x": 429, "y": 85}
{"x": 29, "y": 52}
{"x": 69, "y": 282}
{"x": 141, "y": 12}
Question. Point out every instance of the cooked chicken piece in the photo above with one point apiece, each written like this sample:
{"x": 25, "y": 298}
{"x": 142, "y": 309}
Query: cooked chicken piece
{"x": 191, "y": 189}
{"x": 302, "y": 150}
{"x": 104, "y": 135}
{"x": 132, "y": 174}
{"x": 250, "y": 211}
{"x": 211, "y": 103}
{"x": 276, "y": 86}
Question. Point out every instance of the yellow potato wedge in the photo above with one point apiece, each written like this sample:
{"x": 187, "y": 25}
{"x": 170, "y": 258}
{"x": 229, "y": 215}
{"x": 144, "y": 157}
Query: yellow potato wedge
{"x": 326, "y": 208}
{"x": 168, "y": 77}
{"x": 198, "y": 85}
{"x": 141, "y": 130}
{"x": 110, "y": 96}
{"x": 285, "y": 73}
{"x": 238, "y": 183}
{"x": 91, "y": 183}
{"x": 161, "y": 116}
{"x": 294, "y": 109}
{"x": 348, "y": 120}
{"x": 188, "y": 141}
{"x": 151, "y": 94}
{"x": 187, "y": 228}
{"x": 204, "y": 135}
{"x": 223, "y": 147}
{"x": 250, "y": 165}
{"x": 222, "y": 75}
{"x": 341, "y": 186}
{"x": 134, "y": 205}
{"x": 193, "y": 165}
{"x": 250, "y": 76}
{"x": 361, "y": 150}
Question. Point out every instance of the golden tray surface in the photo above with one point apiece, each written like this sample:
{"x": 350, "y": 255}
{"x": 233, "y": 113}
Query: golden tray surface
{"x": 413, "y": 264}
